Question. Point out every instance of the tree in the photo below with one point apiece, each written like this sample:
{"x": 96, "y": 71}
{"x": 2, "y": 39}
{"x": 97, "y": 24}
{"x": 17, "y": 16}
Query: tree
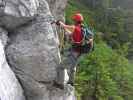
{"x": 101, "y": 75}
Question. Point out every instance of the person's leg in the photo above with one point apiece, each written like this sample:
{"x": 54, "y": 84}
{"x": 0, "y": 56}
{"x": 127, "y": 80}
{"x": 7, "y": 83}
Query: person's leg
{"x": 64, "y": 68}
{"x": 72, "y": 58}
{"x": 69, "y": 63}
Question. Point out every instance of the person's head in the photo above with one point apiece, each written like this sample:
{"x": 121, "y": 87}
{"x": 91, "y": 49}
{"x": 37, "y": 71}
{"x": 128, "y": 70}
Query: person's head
{"x": 77, "y": 18}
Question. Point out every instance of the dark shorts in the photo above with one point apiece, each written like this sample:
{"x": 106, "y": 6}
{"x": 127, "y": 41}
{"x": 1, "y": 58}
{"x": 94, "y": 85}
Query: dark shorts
{"x": 86, "y": 48}
{"x": 76, "y": 48}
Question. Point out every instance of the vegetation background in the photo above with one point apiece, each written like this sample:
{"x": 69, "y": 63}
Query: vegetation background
{"x": 107, "y": 72}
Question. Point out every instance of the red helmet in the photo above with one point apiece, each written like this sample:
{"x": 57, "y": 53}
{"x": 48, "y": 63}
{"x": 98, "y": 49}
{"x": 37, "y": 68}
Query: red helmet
{"x": 78, "y": 17}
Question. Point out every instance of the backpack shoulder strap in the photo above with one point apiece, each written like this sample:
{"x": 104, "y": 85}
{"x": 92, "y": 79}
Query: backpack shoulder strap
{"x": 83, "y": 32}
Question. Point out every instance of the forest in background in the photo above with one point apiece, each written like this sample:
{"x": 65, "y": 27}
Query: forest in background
{"x": 106, "y": 73}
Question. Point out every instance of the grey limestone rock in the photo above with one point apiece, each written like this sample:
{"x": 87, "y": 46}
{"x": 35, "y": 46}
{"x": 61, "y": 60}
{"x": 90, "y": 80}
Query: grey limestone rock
{"x": 33, "y": 52}
{"x": 57, "y": 7}
{"x": 3, "y": 36}
{"x": 10, "y": 88}
{"x": 14, "y": 13}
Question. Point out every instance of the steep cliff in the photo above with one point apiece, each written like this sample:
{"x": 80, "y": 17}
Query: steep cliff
{"x": 57, "y": 7}
{"x": 10, "y": 88}
{"x": 32, "y": 49}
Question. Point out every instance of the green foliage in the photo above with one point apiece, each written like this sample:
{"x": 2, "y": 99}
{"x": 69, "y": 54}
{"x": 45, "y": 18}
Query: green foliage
{"x": 101, "y": 74}
{"x": 104, "y": 74}
{"x": 109, "y": 21}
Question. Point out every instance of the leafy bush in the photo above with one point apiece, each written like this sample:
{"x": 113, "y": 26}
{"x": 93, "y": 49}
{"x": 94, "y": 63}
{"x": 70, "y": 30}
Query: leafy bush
{"x": 102, "y": 74}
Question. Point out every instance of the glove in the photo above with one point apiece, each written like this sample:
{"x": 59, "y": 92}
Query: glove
{"x": 58, "y": 22}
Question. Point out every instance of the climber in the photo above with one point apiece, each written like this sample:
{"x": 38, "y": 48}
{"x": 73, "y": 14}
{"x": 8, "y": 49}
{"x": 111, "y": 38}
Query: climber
{"x": 76, "y": 35}
{"x": 79, "y": 46}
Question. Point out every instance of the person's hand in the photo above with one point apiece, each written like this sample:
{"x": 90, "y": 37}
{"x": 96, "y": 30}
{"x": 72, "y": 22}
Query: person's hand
{"x": 58, "y": 22}
{"x": 90, "y": 41}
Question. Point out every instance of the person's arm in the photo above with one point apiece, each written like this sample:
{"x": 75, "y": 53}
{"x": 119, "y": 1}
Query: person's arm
{"x": 69, "y": 28}
{"x": 90, "y": 41}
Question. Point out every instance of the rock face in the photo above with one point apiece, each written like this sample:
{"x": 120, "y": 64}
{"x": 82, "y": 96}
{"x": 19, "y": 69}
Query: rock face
{"x": 57, "y": 7}
{"x": 14, "y": 13}
{"x": 32, "y": 51}
{"x": 10, "y": 88}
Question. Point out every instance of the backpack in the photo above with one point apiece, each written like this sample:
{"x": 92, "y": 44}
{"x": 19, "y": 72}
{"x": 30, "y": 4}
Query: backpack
{"x": 88, "y": 34}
